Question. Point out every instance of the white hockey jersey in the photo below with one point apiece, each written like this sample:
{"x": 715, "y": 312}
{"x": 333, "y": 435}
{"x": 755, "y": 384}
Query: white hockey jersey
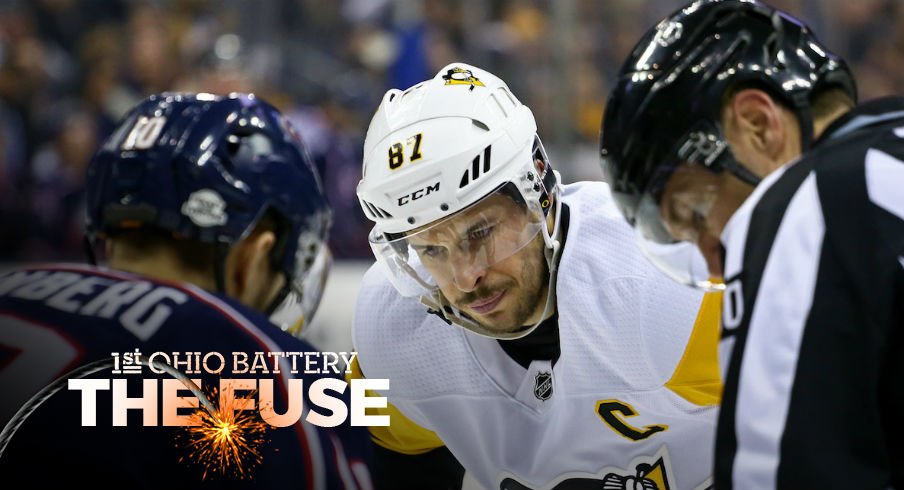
{"x": 630, "y": 403}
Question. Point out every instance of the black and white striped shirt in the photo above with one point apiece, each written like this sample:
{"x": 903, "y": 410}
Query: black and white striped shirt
{"x": 814, "y": 316}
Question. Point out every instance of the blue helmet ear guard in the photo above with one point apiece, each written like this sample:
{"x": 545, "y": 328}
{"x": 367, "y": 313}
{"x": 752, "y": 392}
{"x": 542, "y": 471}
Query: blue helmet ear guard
{"x": 207, "y": 168}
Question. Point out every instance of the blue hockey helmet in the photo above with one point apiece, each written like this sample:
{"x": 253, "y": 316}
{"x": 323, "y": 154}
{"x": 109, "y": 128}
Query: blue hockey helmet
{"x": 207, "y": 168}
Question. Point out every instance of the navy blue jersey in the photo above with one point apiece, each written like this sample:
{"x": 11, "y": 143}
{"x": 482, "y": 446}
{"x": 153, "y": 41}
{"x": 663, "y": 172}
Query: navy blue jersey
{"x": 56, "y": 318}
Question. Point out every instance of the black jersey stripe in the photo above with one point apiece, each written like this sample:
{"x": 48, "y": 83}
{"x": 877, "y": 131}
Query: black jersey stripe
{"x": 841, "y": 428}
{"x": 773, "y": 339}
{"x": 764, "y": 224}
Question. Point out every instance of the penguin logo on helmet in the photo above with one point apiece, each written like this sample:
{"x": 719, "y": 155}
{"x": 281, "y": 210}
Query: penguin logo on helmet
{"x": 461, "y": 76}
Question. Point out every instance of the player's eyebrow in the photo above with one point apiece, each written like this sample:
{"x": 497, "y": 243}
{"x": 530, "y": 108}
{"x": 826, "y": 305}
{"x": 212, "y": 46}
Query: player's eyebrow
{"x": 482, "y": 223}
{"x": 420, "y": 247}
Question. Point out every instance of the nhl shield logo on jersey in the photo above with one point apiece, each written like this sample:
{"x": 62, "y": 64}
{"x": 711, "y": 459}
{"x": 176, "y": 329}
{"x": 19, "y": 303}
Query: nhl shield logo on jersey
{"x": 461, "y": 76}
{"x": 543, "y": 385}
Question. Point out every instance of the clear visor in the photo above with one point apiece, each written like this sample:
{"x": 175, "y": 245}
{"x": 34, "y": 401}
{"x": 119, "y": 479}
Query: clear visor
{"x": 682, "y": 262}
{"x": 670, "y": 234}
{"x": 455, "y": 251}
{"x": 305, "y": 291}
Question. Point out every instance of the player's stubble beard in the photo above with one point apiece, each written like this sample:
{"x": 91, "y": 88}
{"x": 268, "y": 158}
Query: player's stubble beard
{"x": 530, "y": 287}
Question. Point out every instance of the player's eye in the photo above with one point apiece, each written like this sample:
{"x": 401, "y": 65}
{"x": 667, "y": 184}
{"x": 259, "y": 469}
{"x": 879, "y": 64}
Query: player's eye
{"x": 481, "y": 233}
{"x": 432, "y": 252}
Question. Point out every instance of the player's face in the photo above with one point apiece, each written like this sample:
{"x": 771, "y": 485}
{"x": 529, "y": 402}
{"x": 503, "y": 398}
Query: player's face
{"x": 484, "y": 266}
{"x": 696, "y": 204}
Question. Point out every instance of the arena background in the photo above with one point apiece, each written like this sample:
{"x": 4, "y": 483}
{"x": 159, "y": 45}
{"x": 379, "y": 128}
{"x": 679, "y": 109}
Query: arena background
{"x": 69, "y": 69}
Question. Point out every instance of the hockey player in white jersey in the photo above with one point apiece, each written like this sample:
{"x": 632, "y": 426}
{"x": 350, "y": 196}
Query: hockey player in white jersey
{"x": 524, "y": 335}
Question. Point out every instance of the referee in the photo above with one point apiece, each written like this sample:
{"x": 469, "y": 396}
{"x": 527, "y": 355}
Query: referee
{"x": 734, "y": 128}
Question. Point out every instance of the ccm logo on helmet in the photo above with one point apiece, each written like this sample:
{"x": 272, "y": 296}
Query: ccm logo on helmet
{"x": 414, "y": 196}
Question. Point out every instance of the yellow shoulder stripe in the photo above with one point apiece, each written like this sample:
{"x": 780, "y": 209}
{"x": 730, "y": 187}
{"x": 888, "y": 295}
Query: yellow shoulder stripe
{"x": 696, "y": 377}
{"x": 402, "y": 435}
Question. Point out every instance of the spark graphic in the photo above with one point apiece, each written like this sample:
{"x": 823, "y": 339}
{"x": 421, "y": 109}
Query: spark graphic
{"x": 225, "y": 441}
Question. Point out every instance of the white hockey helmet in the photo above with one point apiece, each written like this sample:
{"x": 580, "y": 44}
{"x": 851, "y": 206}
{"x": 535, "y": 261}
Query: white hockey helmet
{"x": 438, "y": 148}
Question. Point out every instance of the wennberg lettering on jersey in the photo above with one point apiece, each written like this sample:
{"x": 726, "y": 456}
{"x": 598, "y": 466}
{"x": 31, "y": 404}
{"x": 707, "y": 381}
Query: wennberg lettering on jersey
{"x": 619, "y": 407}
{"x": 55, "y": 318}
{"x": 139, "y": 306}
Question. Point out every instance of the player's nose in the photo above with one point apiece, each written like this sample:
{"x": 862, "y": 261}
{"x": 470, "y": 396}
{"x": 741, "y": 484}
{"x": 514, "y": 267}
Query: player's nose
{"x": 468, "y": 274}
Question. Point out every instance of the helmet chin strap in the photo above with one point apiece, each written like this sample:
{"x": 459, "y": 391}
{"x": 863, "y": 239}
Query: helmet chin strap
{"x": 745, "y": 174}
{"x": 88, "y": 242}
{"x": 279, "y": 298}
{"x": 728, "y": 162}
{"x": 552, "y": 251}
{"x": 805, "y": 121}
{"x": 221, "y": 251}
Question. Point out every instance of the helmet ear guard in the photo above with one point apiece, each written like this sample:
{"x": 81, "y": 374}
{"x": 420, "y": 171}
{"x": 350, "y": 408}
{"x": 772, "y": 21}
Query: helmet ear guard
{"x": 547, "y": 178}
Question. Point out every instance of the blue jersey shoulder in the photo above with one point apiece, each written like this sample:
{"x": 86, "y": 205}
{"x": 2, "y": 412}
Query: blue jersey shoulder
{"x": 54, "y": 318}
{"x": 103, "y": 310}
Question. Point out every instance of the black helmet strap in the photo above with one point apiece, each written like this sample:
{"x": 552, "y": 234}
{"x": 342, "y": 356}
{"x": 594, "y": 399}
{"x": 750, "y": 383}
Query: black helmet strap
{"x": 89, "y": 241}
{"x": 805, "y": 120}
{"x": 280, "y": 296}
{"x": 742, "y": 172}
{"x": 221, "y": 250}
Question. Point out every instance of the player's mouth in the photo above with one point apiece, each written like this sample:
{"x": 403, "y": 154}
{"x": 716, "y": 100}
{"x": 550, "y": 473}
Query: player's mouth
{"x": 486, "y": 305}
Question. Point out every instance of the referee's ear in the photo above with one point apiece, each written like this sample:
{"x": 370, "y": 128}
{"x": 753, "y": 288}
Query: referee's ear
{"x": 762, "y": 133}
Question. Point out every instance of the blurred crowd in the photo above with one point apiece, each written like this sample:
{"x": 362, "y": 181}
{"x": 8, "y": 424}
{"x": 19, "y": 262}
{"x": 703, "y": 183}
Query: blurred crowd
{"x": 69, "y": 69}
